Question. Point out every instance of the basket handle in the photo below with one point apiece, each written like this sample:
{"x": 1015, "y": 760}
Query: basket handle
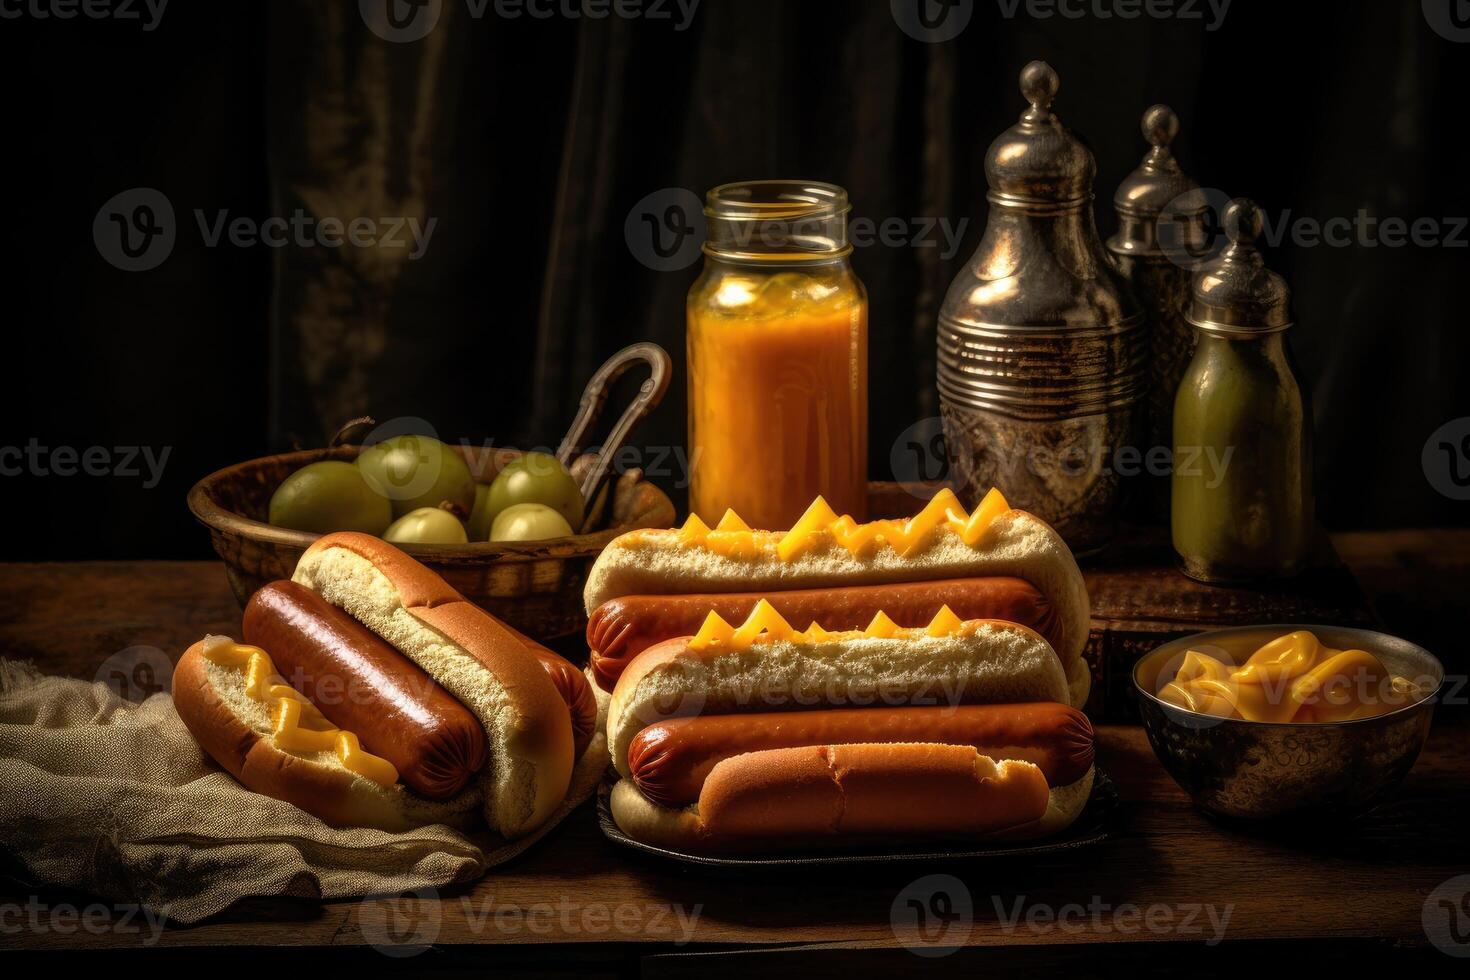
{"x": 594, "y": 397}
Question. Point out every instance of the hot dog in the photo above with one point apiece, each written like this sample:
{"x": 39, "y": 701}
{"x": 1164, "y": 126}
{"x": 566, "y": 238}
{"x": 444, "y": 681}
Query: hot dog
{"x": 362, "y": 684}
{"x": 620, "y": 629}
{"x": 760, "y": 735}
{"x": 399, "y": 661}
{"x": 669, "y": 761}
{"x": 573, "y": 687}
{"x": 996, "y": 562}
{"x": 833, "y": 795}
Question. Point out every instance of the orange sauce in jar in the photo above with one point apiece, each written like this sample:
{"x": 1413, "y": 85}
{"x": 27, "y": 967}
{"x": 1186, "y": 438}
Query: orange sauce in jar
{"x": 778, "y": 383}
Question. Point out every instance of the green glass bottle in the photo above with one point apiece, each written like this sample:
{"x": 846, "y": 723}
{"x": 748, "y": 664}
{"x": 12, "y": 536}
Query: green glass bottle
{"x": 1242, "y": 505}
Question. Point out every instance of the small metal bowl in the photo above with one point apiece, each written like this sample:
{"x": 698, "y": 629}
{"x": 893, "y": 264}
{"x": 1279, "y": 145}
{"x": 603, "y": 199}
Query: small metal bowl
{"x": 1256, "y": 771}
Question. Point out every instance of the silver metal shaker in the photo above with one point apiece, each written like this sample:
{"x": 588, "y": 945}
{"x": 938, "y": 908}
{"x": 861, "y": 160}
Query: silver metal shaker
{"x": 1040, "y": 340}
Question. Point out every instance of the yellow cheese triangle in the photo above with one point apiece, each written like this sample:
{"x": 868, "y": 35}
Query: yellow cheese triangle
{"x": 714, "y": 630}
{"x": 731, "y": 522}
{"x": 990, "y": 508}
{"x": 694, "y": 530}
{"x": 935, "y": 513}
{"x": 944, "y": 622}
{"x": 763, "y": 618}
{"x": 817, "y": 517}
{"x": 881, "y": 627}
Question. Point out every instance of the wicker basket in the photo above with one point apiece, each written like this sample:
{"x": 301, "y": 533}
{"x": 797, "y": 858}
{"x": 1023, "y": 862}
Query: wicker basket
{"x": 535, "y": 586}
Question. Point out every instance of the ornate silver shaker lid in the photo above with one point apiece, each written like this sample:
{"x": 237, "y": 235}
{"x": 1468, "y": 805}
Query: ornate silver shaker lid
{"x": 1236, "y": 293}
{"x": 1038, "y": 162}
{"x": 1160, "y": 208}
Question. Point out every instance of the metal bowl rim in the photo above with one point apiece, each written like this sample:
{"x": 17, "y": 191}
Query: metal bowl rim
{"x": 1428, "y": 699}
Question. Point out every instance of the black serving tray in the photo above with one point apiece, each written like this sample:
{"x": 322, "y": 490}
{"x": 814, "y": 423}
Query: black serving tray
{"x": 1088, "y": 829}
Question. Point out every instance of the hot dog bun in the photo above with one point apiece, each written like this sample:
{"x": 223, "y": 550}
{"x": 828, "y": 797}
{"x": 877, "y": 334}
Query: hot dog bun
{"x": 486, "y": 667}
{"x": 235, "y": 730}
{"x": 984, "y": 662}
{"x": 841, "y": 796}
{"x": 978, "y": 662}
{"x": 1016, "y": 544}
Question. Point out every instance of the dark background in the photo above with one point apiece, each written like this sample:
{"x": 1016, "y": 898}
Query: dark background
{"x": 531, "y": 140}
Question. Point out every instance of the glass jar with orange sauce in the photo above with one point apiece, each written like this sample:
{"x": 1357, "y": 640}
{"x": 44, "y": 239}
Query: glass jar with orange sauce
{"x": 778, "y": 356}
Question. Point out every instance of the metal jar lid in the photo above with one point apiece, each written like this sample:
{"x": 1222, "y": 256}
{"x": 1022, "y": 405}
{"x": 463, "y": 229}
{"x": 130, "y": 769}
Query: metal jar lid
{"x": 1038, "y": 163}
{"x": 1236, "y": 294}
{"x": 1161, "y": 210}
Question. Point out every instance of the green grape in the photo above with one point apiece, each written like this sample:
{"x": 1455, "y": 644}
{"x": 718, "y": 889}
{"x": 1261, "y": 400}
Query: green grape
{"x": 426, "y": 525}
{"x": 529, "y": 522}
{"x": 536, "y": 478}
{"x": 417, "y": 471}
{"x": 327, "y": 496}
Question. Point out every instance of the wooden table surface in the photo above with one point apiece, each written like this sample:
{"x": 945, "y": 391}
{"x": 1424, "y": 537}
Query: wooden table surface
{"x": 1167, "y": 882}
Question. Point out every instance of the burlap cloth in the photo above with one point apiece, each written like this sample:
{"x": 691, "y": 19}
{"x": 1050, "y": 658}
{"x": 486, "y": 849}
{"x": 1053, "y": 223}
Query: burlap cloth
{"x": 115, "y": 798}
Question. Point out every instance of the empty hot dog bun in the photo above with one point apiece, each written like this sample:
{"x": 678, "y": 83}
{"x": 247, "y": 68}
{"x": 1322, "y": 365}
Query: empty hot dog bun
{"x": 236, "y": 730}
{"x": 826, "y": 552}
{"x": 476, "y": 659}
